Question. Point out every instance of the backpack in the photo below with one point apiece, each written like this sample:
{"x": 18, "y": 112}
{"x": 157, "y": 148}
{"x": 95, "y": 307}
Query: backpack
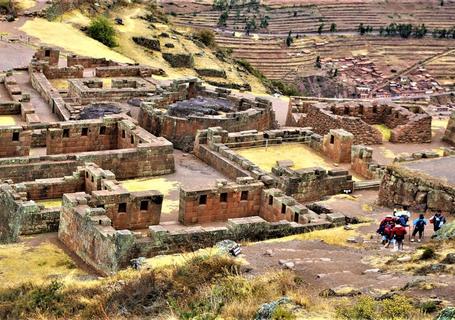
{"x": 420, "y": 224}
{"x": 403, "y": 220}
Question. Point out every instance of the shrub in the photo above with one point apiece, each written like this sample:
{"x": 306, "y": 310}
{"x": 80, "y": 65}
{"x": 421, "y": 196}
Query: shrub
{"x": 366, "y": 308}
{"x": 428, "y": 253}
{"x": 102, "y": 30}
{"x": 206, "y": 36}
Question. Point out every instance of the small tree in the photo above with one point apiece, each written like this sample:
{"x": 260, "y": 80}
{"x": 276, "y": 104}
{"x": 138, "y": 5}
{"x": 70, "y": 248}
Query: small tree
{"x": 289, "y": 39}
{"x": 318, "y": 62}
{"x": 361, "y": 29}
{"x": 321, "y": 26}
{"x": 223, "y": 18}
{"x": 101, "y": 29}
{"x": 333, "y": 27}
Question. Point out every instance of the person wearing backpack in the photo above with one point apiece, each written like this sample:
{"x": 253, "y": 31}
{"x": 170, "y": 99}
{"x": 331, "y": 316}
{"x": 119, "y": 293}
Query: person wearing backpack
{"x": 419, "y": 227}
{"x": 437, "y": 220}
{"x": 398, "y": 233}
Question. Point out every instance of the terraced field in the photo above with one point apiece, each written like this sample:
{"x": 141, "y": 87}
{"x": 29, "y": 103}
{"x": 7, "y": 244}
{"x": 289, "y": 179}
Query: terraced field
{"x": 307, "y": 16}
{"x": 277, "y": 61}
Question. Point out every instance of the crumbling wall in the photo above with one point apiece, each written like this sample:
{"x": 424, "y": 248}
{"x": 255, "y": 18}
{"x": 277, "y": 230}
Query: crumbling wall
{"x": 225, "y": 201}
{"x": 55, "y": 72}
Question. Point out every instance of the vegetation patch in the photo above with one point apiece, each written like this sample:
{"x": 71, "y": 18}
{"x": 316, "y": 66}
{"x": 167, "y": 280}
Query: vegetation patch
{"x": 102, "y": 30}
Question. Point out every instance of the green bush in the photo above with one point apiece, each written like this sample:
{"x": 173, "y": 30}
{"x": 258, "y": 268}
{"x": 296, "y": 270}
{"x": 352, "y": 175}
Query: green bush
{"x": 206, "y": 36}
{"x": 101, "y": 29}
{"x": 366, "y": 308}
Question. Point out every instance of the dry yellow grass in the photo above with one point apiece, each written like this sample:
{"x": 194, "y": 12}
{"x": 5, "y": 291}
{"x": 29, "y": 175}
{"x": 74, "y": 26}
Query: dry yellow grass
{"x": 69, "y": 38}
{"x": 50, "y": 203}
{"x": 24, "y": 4}
{"x": 21, "y": 263}
{"x": 7, "y": 121}
{"x": 301, "y": 154}
{"x": 334, "y": 236}
{"x": 163, "y": 185}
{"x": 386, "y": 132}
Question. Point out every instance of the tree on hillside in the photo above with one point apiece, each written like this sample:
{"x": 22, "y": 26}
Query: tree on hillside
{"x": 333, "y": 27}
{"x": 289, "y": 39}
{"x": 318, "y": 62}
{"x": 222, "y": 20}
{"x": 264, "y": 22}
{"x": 321, "y": 26}
{"x": 220, "y": 5}
{"x": 102, "y": 29}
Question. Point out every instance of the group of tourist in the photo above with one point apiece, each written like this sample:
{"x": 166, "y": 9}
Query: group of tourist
{"x": 393, "y": 228}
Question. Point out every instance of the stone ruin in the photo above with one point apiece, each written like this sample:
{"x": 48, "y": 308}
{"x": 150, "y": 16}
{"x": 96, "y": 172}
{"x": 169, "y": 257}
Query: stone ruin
{"x": 186, "y": 106}
{"x": 407, "y": 125}
{"x": 83, "y": 157}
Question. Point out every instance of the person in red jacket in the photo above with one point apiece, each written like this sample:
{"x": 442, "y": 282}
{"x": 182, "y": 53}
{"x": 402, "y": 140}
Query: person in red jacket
{"x": 398, "y": 233}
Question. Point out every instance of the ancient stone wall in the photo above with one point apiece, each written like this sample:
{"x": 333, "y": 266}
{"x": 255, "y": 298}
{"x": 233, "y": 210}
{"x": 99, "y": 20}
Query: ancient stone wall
{"x": 90, "y": 91}
{"x": 363, "y": 164}
{"x": 50, "y": 94}
{"x": 49, "y": 55}
{"x": 55, "y": 72}
{"x": 142, "y": 155}
{"x": 419, "y": 191}
{"x": 312, "y": 183}
{"x": 10, "y": 108}
{"x": 14, "y": 141}
{"x": 135, "y": 210}
{"x": 337, "y": 145}
{"x": 88, "y": 233}
{"x": 225, "y": 201}
{"x": 449, "y": 135}
{"x": 88, "y": 62}
{"x": 127, "y": 71}
{"x": 181, "y": 129}
{"x": 408, "y": 126}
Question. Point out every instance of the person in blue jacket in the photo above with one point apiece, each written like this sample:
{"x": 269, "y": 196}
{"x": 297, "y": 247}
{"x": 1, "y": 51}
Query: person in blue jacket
{"x": 419, "y": 227}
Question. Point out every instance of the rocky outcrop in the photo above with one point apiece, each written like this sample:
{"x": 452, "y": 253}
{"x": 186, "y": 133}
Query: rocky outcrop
{"x": 179, "y": 60}
{"x": 149, "y": 43}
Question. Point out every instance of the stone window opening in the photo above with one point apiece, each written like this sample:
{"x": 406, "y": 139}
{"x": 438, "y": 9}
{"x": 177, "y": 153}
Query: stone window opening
{"x": 47, "y": 53}
{"x": 132, "y": 139}
{"x": 332, "y": 139}
{"x": 283, "y": 208}
{"x": 93, "y": 179}
{"x": 103, "y": 130}
{"x": 100, "y": 206}
{"x": 244, "y": 196}
{"x": 144, "y": 205}
{"x": 375, "y": 109}
{"x": 84, "y": 132}
{"x": 122, "y": 207}
{"x": 123, "y": 134}
{"x": 99, "y": 222}
{"x": 86, "y": 174}
{"x": 270, "y": 200}
{"x": 16, "y": 136}
{"x": 202, "y": 199}
{"x": 296, "y": 217}
{"x": 224, "y": 197}
{"x": 66, "y": 133}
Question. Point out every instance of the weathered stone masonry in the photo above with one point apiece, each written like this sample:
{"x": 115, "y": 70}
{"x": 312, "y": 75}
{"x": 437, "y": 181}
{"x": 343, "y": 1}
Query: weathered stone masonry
{"x": 408, "y": 125}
